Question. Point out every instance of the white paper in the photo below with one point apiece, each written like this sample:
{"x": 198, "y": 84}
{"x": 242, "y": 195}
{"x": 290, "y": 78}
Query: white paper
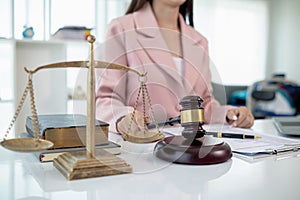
{"x": 267, "y": 144}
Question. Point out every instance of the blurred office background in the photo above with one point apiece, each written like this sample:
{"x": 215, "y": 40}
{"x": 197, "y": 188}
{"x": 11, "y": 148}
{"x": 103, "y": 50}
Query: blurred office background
{"x": 249, "y": 40}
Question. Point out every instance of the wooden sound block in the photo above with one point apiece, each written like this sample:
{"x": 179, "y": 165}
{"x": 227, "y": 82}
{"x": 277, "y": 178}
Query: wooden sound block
{"x": 143, "y": 137}
{"x": 201, "y": 151}
{"x": 78, "y": 165}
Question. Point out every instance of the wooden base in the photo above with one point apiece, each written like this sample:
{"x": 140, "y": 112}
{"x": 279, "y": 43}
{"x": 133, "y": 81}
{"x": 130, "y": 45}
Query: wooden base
{"x": 78, "y": 165}
{"x": 143, "y": 137}
{"x": 201, "y": 151}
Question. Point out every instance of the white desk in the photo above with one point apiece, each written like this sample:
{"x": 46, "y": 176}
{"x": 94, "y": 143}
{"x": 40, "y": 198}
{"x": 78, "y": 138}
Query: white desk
{"x": 23, "y": 177}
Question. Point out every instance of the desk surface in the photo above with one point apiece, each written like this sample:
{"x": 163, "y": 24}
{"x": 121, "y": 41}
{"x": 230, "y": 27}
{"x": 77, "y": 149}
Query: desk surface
{"x": 23, "y": 177}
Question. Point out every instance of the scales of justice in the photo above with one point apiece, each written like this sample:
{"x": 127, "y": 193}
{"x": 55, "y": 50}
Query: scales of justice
{"x": 193, "y": 147}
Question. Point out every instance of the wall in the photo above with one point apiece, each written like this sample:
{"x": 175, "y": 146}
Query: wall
{"x": 237, "y": 32}
{"x": 49, "y": 85}
{"x": 284, "y": 40}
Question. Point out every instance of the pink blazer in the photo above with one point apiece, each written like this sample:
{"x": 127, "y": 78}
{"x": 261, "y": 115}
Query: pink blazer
{"x": 135, "y": 40}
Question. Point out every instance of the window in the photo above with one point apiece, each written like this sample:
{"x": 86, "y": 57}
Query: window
{"x": 47, "y": 16}
{"x": 6, "y": 82}
{"x": 5, "y": 19}
{"x": 72, "y": 13}
{"x": 237, "y": 34}
{"x": 29, "y": 13}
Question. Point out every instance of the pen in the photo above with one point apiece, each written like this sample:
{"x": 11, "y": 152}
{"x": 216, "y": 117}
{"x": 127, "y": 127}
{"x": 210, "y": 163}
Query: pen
{"x": 232, "y": 135}
{"x": 170, "y": 121}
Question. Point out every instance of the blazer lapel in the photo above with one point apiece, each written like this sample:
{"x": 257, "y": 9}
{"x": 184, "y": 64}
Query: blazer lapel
{"x": 151, "y": 40}
{"x": 195, "y": 55}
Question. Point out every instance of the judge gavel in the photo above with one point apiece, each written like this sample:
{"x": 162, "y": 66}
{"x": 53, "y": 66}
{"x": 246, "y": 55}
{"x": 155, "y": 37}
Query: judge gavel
{"x": 192, "y": 146}
{"x": 191, "y": 118}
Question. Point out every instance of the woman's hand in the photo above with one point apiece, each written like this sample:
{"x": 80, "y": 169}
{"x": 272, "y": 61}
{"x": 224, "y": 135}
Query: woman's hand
{"x": 137, "y": 124}
{"x": 240, "y": 117}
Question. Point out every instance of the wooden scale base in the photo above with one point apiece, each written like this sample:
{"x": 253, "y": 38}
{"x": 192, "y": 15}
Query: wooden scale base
{"x": 79, "y": 165}
{"x": 201, "y": 151}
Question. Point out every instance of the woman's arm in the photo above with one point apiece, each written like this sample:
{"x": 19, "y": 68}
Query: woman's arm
{"x": 111, "y": 84}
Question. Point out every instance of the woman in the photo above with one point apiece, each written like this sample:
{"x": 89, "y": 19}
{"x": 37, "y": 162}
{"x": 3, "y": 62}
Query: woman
{"x": 154, "y": 38}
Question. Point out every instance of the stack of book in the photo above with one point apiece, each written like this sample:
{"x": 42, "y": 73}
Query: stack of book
{"x": 50, "y": 154}
{"x": 68, "y": 133}
{"x": 72, "y": 33}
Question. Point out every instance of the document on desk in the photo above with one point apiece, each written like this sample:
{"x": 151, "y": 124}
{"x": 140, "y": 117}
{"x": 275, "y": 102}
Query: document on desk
{"x": 264, "y": 146}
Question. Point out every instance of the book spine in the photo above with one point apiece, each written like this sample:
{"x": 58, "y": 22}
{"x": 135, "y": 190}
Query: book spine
{"x": 29, "y": 127}
{"x": 29, "y": 131}
{"x": 49, "y": 155}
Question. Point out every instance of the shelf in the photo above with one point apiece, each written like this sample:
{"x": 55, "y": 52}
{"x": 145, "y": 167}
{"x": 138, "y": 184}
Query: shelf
{"x": 48, "y": 42}
{"x": 6, "y": 101}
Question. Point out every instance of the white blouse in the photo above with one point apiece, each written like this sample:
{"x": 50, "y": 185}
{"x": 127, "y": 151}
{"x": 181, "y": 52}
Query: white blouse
{"x": 180, "y": 66}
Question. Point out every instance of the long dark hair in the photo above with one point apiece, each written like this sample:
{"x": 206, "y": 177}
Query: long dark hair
{"x": 186, "y": 9}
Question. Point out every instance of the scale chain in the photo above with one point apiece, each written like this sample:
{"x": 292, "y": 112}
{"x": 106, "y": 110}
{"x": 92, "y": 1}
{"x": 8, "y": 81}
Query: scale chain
{"x": 144, "y": 106}
{"x": 134, "y": 109}
{"x": 29, "y": 87}
{"x": 17, "y": 112}
{"x": 36, "y": 128}
{"x": 150, "y": 104}
{"x": 145, "y": 95}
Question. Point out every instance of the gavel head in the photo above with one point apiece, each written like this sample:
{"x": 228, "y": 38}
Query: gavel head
{"x": 192, "y": 117}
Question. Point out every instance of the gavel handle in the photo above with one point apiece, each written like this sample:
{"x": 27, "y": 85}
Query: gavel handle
{"x": 170, "y": 121}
